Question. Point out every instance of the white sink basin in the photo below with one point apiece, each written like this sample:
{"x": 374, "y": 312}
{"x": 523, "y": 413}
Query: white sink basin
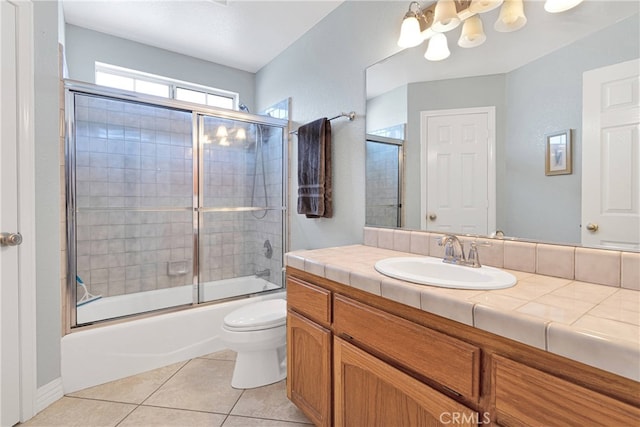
{"x": 432, "y": 271}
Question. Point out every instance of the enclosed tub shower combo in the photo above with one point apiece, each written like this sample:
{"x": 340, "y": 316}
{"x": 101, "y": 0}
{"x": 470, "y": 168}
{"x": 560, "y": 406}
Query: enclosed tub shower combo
{"x": 170, "y": 205}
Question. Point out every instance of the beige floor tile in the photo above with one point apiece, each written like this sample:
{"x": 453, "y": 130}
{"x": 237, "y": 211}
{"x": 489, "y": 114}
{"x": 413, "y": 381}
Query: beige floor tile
{"x": 268, "y": 402}
{"x": 71, "y": 411}
{"x": 134, "y": 389}
{"x": 201, "y": 385}
{"x": 235, "y": 421}
{"x": 221, "y": 355}
{"x": 153, "y": 416}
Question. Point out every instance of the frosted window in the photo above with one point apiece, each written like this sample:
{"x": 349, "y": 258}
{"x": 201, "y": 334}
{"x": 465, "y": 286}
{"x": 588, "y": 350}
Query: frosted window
{"x": 191, "y": 96}
{"x": 113, "y": 80}
{"x": 152, "y": 88}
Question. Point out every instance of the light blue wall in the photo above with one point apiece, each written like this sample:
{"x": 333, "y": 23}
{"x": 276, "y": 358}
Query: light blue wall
{"x": 85, "y": 47}
{"x": 388, "y": 109}
{"x": 469, "y": 92}
{"x": 546, "y": 96}
{"x": 324, "y": 74}
{"x": 47, "y": 183}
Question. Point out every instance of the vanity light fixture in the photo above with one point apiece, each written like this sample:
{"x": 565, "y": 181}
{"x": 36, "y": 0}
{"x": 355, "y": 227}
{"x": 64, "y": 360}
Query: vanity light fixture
{"x": 557, "y": 6}
{"x": 437, "y": 50}
{"x": 431, "y": 22}
{"x": 511, "y": 16}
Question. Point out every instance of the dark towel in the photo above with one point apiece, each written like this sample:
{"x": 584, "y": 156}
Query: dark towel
{"x": 314, "y": 169}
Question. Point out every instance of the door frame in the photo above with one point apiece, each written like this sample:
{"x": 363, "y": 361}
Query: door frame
{"x": 26, "y": 208}
{"x": 490, "y": 111}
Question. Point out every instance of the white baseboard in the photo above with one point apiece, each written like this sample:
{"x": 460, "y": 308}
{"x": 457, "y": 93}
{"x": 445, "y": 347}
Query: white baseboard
{"x": 49, "y": 393}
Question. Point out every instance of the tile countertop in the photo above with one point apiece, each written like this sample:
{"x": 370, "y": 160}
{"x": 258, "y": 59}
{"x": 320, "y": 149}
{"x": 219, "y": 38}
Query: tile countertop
{"x": 594, "y": 324}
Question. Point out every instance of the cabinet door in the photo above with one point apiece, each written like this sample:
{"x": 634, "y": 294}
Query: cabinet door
{"x": 524, "y": 396}
{"x": 309, "y": 368}
{"x": 369, "y": 392}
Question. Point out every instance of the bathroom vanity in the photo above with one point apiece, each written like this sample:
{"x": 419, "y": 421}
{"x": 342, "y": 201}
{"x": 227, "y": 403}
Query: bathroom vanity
{"x": 357, "y": 357}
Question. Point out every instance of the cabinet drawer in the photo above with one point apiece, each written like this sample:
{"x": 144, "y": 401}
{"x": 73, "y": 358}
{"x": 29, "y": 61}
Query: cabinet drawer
{"x": 312, "y": 301}
{"x": 526, "y": 396}
{"x": 446, "y": 360}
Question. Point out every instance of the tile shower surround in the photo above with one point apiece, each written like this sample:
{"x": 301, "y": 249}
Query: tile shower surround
{"x": 382, "y": 184}
{"x": 131, "y": 155}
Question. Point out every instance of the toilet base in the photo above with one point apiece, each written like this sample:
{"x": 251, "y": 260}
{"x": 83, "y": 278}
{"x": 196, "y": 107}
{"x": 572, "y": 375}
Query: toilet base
{"x": 259, "y": 368}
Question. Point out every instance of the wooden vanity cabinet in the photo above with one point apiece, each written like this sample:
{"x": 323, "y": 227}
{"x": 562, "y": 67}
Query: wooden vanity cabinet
{"x": 356, "y": 359}
{"x": 522, "y": 395}
{"x": 370, "y": 392}
{"x": 309, "y": 349}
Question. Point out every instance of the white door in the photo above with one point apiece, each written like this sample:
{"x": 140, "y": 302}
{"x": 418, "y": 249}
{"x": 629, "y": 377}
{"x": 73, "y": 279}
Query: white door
{"x": 611, "y": 156}
{"x": 458, "y": 179}
{"x": 9, "y": 342}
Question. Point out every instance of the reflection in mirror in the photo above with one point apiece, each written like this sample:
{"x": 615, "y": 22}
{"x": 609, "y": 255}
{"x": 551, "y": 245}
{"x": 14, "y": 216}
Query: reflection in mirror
{"x": 384, "y": 160}
{"x": 534, "y": 80}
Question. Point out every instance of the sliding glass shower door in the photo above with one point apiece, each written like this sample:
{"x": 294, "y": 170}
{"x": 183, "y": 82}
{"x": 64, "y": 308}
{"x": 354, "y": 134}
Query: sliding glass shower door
{"x": 167, "y": 205}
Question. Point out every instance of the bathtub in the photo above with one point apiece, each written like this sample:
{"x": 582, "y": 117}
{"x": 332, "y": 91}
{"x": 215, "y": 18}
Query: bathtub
{"x": 99, "y": 355}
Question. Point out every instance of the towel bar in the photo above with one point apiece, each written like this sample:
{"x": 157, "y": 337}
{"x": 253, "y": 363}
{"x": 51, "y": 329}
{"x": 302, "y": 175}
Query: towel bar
{"x": 351, "y": 115}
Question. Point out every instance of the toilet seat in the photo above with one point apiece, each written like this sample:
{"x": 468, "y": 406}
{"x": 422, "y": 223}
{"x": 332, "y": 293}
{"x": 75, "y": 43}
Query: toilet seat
{"x": 258, "y": 316}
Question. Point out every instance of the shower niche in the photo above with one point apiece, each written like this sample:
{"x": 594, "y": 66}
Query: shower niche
{"x": 169, "y": 203}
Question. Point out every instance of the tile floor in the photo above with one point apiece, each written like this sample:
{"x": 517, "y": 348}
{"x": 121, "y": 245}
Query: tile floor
{"x": 193, "y": 393}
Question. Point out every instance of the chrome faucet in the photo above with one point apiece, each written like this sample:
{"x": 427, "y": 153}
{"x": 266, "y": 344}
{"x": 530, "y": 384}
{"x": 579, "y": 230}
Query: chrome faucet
{"x": 454, "y": 251}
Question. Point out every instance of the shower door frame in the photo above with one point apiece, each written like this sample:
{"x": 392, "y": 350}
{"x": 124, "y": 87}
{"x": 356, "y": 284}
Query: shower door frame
{"x": 198, "y": 113}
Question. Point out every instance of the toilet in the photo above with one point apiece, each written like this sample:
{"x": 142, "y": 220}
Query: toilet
{"x": 257, "y": 332}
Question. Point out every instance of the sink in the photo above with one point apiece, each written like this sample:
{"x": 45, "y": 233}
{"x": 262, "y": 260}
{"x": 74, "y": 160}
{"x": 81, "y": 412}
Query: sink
{"x": 432, "y": 271}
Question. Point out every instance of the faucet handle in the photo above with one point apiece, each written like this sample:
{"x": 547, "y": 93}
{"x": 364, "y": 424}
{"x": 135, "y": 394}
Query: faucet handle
{"x": 473, "y": 260}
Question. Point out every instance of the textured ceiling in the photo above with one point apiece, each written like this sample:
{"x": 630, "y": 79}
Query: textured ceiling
{"x": 241, "y": 34}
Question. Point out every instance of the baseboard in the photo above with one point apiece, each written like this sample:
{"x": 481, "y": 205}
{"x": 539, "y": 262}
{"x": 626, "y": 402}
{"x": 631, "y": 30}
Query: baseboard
{"x": 49, "y": 393}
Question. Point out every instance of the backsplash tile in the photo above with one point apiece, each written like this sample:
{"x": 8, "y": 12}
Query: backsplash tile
{"x": 630, "y": 278}
{"x": 401, "y": 240}
{"x": 520, "y": 256}
{"x": 419, "y": 243}
{"x": 598, "y": 266}
{"x": 385, "y": 238}
{"x": 370, "y": 237}
{"x": 555, "y": 260}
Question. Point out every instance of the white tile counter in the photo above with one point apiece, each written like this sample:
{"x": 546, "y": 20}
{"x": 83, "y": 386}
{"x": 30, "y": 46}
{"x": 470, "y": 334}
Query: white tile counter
{"x": 594, "y": 324}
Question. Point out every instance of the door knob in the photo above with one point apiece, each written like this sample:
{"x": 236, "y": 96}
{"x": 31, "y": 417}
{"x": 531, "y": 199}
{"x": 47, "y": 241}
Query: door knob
{"x": 432, "y": 217}
{"x": 592, "y": 227}
{"x": 10, "y": 239}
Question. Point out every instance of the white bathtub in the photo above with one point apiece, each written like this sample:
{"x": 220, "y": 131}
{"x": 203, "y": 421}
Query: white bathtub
{"x": 100, "y": 355}
{"x": 141, "y": 302}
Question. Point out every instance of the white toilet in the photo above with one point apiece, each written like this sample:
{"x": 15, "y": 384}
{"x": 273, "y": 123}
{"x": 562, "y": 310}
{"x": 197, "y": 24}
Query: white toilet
{"x": 257, "y": 332}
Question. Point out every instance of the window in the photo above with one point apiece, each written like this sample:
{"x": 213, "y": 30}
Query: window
{"x": 150, "y": 84}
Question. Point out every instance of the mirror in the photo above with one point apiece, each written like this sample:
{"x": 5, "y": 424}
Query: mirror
{"x": 533, "y": 79}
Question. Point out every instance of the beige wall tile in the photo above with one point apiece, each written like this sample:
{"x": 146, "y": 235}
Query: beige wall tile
{"x": 598, "y": 266}
{"x": 370, "y": 237}
{"x": 385, "y": 238}
{"x": 520, "y": 256}
{"x": 419, "y": 243}
{"x": 490, "y": 251}
{"x": 630, "y": 270}
{"x": 435, "y": 250}
{"x": 555, "y": 260}
{"x": 402, "y": 240}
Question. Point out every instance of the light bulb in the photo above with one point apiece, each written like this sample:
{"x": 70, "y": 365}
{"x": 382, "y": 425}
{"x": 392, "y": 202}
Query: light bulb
{"x": 241, "y": 134}
{"x": 481, "y": 6}
{"x": 437, "y": 49}
{"x": 445, "y": 16}
{"x": 410, "y": 34}
{"x": 557, "y": 6}
{"x": 511, "y": 16}
{"x": 472, "y": 33}
{"x": 221, "y": 132}
{"x": 224, "y": 142}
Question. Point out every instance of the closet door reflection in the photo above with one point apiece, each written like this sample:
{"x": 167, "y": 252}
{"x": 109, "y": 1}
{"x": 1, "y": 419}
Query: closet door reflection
{"x": 384, "y": 159}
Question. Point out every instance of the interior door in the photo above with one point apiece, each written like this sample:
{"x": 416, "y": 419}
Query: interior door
{"x": 611, "y": 156}
{"x": 459, "y": 180}
{"x": 9, "y": 330}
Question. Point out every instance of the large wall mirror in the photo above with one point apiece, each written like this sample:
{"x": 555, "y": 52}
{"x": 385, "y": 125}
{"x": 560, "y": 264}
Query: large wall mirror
{"x": 510, "y": 94}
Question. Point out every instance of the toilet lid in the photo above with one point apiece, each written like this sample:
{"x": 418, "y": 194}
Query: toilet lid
{"x": 260, "y": 315}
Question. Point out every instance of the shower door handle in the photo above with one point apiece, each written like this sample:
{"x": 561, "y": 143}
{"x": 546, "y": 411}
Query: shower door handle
{"x": 10, "y": 239}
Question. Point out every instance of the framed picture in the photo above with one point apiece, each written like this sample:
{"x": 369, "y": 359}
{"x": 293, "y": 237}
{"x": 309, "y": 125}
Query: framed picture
{"x": 558, "y": 153}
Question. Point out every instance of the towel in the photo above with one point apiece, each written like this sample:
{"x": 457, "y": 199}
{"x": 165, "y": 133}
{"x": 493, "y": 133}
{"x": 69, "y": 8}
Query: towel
{"x": 314, "y": 169}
